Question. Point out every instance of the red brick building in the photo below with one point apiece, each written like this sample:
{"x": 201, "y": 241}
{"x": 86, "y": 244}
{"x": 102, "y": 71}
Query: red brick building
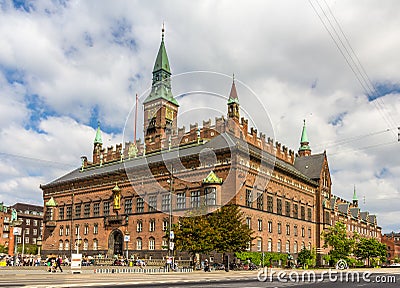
{"x": 286, "y": 196}
{"x": 392, "y": 242}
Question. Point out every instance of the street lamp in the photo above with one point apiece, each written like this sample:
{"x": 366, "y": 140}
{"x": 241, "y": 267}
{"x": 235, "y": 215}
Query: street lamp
{"x": 127, "y": 239}
{"x": 39, "y": 244}
{"x": 16, "y": 232}
{"x": 171, "y": 233}
{"x": 78, "y": 240}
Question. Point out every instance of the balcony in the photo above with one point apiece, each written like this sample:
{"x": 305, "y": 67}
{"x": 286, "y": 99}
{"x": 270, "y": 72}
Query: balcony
{"x": 51, "y": 224}
{"x": 113, "y": 220}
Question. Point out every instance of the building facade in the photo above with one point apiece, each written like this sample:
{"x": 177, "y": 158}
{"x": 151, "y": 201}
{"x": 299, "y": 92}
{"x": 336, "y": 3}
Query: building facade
{"x": 392, "y": 242}
{"x": 134, "y": 192}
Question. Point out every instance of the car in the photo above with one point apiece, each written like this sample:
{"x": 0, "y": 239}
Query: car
{"x": 394, "y": 265}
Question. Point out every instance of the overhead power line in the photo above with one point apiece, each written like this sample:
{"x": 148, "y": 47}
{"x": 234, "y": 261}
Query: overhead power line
{"x": 342, "y": 43}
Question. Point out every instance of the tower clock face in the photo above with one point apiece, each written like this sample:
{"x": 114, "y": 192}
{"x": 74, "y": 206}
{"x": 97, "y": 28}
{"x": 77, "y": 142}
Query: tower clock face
{"x": 169, "y": 114}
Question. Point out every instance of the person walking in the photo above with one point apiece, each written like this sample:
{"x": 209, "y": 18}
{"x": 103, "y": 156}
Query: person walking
{"x": 59, "y": 262}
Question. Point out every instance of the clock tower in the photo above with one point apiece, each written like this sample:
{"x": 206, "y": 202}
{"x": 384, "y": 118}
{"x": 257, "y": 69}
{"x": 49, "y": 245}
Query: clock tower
{"x": 160, "y": 107}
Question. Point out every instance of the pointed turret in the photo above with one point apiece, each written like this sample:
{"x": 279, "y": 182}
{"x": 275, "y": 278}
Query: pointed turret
{"x": 355, "y": 198}
{"x": 304, "y": 149}
{"x": 233, "y": 102}
{"x": 161, "y": 83}
{"x": 98, "y": 139}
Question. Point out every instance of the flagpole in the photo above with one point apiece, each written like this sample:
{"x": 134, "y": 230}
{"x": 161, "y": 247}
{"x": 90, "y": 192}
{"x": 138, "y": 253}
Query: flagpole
{"x": 136, "y": 111}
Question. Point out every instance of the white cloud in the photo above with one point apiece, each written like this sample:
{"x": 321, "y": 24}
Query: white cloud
{"x": 87, "y": 56}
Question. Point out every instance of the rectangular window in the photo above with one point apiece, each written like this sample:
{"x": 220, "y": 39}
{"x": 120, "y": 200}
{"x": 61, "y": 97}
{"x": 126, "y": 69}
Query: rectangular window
{"x": 86, "y": 210}
{"x": 270, "y": 204}
{"x": 26, "y": 240}
{"x": 165, "y": 225}
{"x": 60, "y": 213}
{"x": 270, "y": 226}
{"x": 139, "y": 205}
{"x": 195, "y": 199}
{"x": 34, "y": 232}
{"x": 35, "y": 222}
{"x": 287, "y": 229}
{"x": 96, "y": 209}
{"x": 259, "y": 245}
{"x": 106, "y": 208}
{"x": 279, "y": 228}
{"x": 295, "y": 230}
{"x": 61, "y": 231}
{"x": 302, "y": 232}
{"x": 260, "y": 225}
{"x": 249, "y": 198}
{"x": 95, "y": 228}
{"x": 139, "y": 226}
{"x": 279, "y": 206}
{"x": 69, "y": 212}
{"x": 28, "y": 221}
{"x": 287, "y": 208}
{"x": 152, "y": 203}
{"x": 309, "y": 214}
{"x": 309, "y": 232}
{"x": 128, "y": 206}
{"x": 181, "y": 201}
{"x": 295, "y": 211}
{"x": 303, "y": 213}
{"x": 260, "y": 201}
{"x": 152, "y": 225}
{"x": 67, "y": 232}
{"x": 248, "y": 222}
{"x": 78, "y": 210}
{"x": 165, "y": 202}
{"x": 211, "y": 196}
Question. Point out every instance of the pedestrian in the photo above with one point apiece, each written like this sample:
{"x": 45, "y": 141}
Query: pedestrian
{"x": 58, "y": 263}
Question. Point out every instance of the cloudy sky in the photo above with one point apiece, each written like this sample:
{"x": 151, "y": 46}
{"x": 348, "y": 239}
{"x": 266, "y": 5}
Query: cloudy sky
{"x": 64, "y": 65}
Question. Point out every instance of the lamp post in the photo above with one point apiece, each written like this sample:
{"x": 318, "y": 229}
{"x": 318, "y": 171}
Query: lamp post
{"x": 78, "y": 241}
{"x": 16, "y": 232}
{"x": 127, "y": 239}
{"x": 171, "y": 233}
{"x": 39, "y": 244}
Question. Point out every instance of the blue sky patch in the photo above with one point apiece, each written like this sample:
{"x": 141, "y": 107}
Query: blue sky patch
{"x": 382, "y": 173}
{"x": 121, "y": 33}
{"x": 337, "y": 119}
{"x": 13, "y": 75}
{"x": 24, "y": 5}
{"x": 383, "y": 89}
{"x": 39, "y": 110}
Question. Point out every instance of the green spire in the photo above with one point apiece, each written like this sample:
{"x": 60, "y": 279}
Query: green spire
{"x": 161, "y": 84}
{"x": 212, "y": 178}
{"x": 51, "y": 203}
{"x": 355, "y": 198}
{"x": 97, "y": 139}
{"x": 304, "y": 139}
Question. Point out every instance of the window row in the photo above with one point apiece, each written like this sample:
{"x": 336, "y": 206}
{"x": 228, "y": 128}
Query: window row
{"x": 279, "y": 248}
{"x": 195, "y": 199}
{"x": 279, "y": 228}
{"x": 78, "y": 229}
{"x": 289, "y": 210}
{"x": 64, "y": 245}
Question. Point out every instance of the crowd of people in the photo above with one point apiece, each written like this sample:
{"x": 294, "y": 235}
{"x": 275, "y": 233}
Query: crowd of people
{"x": 25, "y": 260}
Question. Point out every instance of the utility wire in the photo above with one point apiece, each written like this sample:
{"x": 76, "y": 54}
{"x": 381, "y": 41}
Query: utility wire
{"x": 44, "y": 161}
{"x": 362, "y": 78}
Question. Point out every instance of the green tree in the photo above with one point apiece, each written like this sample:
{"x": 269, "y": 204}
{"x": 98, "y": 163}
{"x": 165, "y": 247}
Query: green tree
{"x": 222, "y": 231}
{"x": 231, "y": 234}
{"x": 305, "y": 257}
{"x": 3, "y": 249}
{"x": 341, "y": 243}
{"x": 369, "y": 248}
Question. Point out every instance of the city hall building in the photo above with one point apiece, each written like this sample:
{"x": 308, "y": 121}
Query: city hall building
{"x": 124, "y": 198}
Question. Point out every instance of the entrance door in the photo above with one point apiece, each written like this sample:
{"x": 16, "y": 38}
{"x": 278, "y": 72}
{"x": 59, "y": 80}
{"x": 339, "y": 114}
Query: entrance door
{"x": 115, "y": 243}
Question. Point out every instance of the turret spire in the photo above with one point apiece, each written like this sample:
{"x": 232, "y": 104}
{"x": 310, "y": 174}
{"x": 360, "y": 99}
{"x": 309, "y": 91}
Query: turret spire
{"x": 98, "y": 139}
{"x": 304, "y": 149}
{"x": 233, "y": 102}
{"x": 355, "y": 198}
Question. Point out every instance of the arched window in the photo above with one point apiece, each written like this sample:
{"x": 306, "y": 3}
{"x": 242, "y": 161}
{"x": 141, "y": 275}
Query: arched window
{"x": 152, "y": 243}
{"x": 95, "y": 244}
{"x": 278, "y": 246}
{"x": 85, "y": 244}
{"x": 66, "y": 246}
{"x": 60, "y": 245}
{"x": 303, "y": 245}
{"x": 295, "y": 247}
{"x": 287, "y": 246}
{"x": 139, "y": 243}
{"x": 309, "y": 246}
{"x": 269, "y": 245}
{"x": 259, "y": 244}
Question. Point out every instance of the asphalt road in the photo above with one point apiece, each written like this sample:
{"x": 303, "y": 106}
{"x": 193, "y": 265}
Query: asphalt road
{"x": 220, "y": 279}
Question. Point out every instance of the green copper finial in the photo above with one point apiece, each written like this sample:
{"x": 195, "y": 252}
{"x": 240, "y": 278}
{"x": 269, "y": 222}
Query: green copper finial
{"x": 162, "y": 62}
{"x": 355, "y": 198}
{"x": 162, "y": 31}
{"x": 304, "y": 139}
{"x": 98, "y": 139}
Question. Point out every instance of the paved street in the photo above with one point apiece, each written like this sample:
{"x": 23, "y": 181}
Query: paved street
{"x": 38, "y": 277}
